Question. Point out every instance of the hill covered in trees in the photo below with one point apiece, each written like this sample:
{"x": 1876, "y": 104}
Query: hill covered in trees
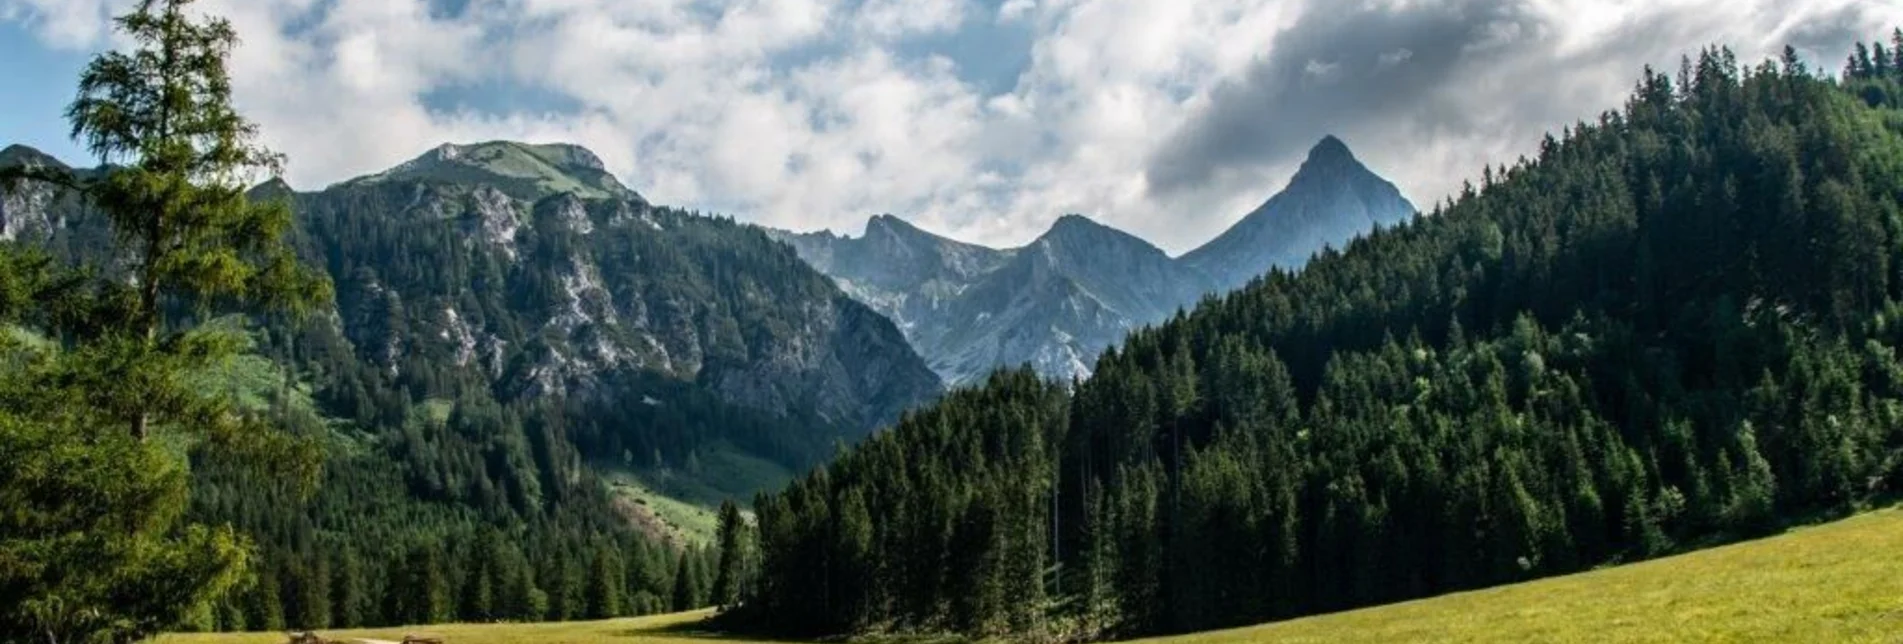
{"x": 1678, "y": 325}
{"x": 510, "y": 325}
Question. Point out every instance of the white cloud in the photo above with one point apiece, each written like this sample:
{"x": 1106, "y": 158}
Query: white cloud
{"x": 68, "y": 24}
{"x": 806, "y": 113}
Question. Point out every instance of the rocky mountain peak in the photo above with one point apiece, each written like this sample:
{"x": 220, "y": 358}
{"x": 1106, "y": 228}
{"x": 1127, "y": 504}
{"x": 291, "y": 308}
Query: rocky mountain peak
{"x": 1331, "y": 200}
{"x": 1329, "y": 163}
{"x": 1330, "y": 150}
{"x": 891, "y": 226}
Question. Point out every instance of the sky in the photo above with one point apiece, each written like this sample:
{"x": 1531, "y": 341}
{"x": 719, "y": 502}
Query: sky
{"x": 983, "y": 120}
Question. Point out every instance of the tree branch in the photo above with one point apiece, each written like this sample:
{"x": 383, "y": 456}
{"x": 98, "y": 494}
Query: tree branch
{"x": 13, "y": 177}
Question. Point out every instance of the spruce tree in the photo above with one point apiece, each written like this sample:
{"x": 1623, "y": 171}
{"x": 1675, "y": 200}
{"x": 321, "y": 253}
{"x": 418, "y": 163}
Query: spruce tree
{"x": 683, "y": 594}
{"x": 734, "y": 563}
{"x": 606, "y": 585}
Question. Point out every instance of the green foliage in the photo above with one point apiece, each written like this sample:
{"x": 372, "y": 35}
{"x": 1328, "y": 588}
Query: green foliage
{"x": 98, "y": 551}
{"x": 1675, "y": 327}
{"x": 91, "y": 548}
{"x": 737, "y": 563}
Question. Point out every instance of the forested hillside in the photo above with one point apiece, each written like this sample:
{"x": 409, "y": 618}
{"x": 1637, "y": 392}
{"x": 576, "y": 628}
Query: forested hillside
{"x": 1678, "y": 325}
{"x": 511, "y": 329}
{"x": 505, "y": 332}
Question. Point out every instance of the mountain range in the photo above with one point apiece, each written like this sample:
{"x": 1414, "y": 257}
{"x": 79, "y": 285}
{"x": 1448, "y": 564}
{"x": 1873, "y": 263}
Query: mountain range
{"x": 1059, "y": 301}
{"x": 515, "y": 273}
{"x": 531, "y": 270}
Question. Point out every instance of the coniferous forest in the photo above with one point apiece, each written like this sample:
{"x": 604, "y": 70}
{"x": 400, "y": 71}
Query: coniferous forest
{"x": 1677, "y": 326}
{"x": 226, "y": 405}
{"x": 268, "y": 438}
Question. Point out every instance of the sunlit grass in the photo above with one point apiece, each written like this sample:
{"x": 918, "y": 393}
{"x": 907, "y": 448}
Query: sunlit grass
{"x": 1840, "y": 582}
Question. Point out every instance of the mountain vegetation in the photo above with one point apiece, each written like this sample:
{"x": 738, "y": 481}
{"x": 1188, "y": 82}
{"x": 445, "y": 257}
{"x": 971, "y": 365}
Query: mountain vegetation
{"x": 1059, "y": 301}
{"x": 402, "y": 399}
{"x": 1677, "y": 326}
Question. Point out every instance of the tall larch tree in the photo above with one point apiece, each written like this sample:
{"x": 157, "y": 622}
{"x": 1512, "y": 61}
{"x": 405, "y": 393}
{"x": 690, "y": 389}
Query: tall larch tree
{"x": 95, "y": 540}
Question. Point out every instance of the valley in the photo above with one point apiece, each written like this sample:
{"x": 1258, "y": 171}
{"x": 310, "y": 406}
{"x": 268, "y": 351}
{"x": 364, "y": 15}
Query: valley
{"x": 1832, "y": 582}
{"x": 1644, "y": 383}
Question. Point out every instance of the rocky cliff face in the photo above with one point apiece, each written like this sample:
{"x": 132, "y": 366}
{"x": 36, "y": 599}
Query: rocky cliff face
{"x": 1055, "y": 303}
{"x": 551, "y": 288}
{"x": 27, "y": 210}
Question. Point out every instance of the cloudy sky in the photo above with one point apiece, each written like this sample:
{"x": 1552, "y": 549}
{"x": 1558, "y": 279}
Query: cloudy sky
{"x": 981, "y": 119}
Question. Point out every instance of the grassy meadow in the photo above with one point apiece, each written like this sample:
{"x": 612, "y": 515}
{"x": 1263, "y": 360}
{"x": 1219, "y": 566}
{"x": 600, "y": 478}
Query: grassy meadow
{"x": 1838, "y": 582}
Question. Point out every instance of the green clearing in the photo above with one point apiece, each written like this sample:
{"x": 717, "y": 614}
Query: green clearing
{"x": 663, "y": 514}
{"x": 681, "y": 502}
{"x": 1839, "y": 582}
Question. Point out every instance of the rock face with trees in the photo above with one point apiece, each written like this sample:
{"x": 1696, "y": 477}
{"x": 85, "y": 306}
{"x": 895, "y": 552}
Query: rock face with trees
{"x": 1677, "y": 326}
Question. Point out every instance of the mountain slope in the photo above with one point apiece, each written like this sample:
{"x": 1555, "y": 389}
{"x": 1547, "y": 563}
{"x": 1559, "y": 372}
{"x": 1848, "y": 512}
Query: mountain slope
{"x": 552, "y": 293}
{"x": 1055, "y": 303}
{"x": 909, "y": 275}
{"x": 1331, "y": 200}
{"x": 1059, "y": 301}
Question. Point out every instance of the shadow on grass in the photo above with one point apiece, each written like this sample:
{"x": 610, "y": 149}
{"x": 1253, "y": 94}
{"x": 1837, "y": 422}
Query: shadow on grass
{"x": 709, "y": 629}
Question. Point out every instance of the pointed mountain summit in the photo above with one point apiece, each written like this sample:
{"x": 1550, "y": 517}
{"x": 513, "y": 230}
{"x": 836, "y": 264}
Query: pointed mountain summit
{"x": 1331, "y": 200}
{"x": 529, "y": 172}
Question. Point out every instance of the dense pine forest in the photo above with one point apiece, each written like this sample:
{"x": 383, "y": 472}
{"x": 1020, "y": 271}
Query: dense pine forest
{"x": 1679, "y": 325}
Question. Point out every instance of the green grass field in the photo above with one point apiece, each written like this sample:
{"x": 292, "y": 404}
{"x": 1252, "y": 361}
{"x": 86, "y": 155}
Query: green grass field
{"x": 1839, "y": 582}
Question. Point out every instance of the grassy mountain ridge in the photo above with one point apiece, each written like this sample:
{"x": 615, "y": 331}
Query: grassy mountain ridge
{"x": 525, "y": 171}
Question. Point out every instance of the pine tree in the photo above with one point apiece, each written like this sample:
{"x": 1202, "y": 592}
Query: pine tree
{"x": 349, "y": 595}
{"x": 683, "y": 595}
{"x": 606, "y": 585}
{"x": 735, "y": 565}
{"x": 1896, "y": 51}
